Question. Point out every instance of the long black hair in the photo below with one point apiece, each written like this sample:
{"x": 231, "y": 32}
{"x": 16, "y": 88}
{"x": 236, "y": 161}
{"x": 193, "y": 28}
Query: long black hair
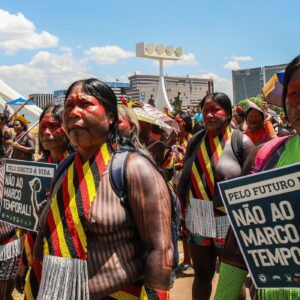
{"x": 222, "y": 99}
{"x": 106, "y": 96}
{"x": 293, "y": 66}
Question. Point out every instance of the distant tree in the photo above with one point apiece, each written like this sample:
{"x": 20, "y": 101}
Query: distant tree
{"x": 258, "y": 101}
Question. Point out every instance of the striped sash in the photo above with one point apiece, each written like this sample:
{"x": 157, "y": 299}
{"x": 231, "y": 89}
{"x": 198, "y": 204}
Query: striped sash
{"x": 168, "y": 162}
{"x": 184, "y": 141}
{"x": 208, "y": 155}
{"x": 67, "y": 218}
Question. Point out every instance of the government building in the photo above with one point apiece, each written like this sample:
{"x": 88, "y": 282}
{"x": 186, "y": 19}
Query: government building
{"x": 192, "y": 89}
{"x": 248, "y": 83}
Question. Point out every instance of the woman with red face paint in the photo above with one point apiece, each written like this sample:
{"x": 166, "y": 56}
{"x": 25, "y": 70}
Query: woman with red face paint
{"x": 210, "y": 158}
{"x": 54, "y": 147}
{"x": 277, "y": 153}
{"x": 94, "y": 245}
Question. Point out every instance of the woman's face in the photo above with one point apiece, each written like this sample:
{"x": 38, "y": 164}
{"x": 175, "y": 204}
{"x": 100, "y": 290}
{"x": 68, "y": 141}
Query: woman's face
{"x": 215, "y": 118}
{"x": 85, "y": 120}
{"x": 254, "y": 120}
{"x": 51, "y": 133}
{"x": 18, "y": 127}
{"x": 293, "y": 101}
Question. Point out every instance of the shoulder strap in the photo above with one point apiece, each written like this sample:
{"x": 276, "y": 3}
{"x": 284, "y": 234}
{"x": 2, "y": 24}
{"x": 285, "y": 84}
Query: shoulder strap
{"x": 265, "y": 153}
{"x": 237, "y": 145}
{"x": 117, "y": 172}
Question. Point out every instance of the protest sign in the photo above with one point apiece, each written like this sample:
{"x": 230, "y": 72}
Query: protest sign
{"x": 264, "y": 212}
{"x": 24, "y": 192}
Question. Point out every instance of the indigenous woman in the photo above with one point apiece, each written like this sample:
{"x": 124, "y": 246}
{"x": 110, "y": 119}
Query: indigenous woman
{"x": 24, "y": 143}
{"x": 93, "y": 244}
{"x": 282, "y": 152}
{"x": 210, "y": 158}
{"x": 55, "y": 147}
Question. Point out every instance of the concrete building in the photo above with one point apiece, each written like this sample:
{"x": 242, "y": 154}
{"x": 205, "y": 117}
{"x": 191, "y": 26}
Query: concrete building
{"x": 41, "y": 100}
{"x": 192, "y": 89}
{"x": 248, "y": 83}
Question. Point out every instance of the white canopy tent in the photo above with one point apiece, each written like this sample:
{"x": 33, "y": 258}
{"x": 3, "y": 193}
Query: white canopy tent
{"x": 31, "y": 112}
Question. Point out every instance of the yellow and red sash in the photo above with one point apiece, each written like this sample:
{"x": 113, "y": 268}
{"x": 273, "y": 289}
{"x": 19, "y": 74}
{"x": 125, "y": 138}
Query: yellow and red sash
{"x": 168, "y": 162}
{"x": 34, "y": 275}
{"x": 184, "y": 141}
{"x": 208, "y": 155}
{"x": 68, "y": 215}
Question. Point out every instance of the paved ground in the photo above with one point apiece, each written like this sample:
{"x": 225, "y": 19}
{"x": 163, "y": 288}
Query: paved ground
{"x": 182, "y": 289}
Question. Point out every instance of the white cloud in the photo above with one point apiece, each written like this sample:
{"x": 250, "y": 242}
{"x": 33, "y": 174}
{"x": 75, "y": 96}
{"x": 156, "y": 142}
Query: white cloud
{"x": 44, "y": 73}
{"x": 233, "y": 63}
{"x": 241, "y": 58}
{"x": 17, "y": 32}
{"x": 108, "y": 54}
{"x": 221, "y": 84}
{"x": 188, "y": 60}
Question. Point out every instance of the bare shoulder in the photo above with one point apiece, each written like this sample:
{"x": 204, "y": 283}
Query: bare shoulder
{"x": 138, "y": 163}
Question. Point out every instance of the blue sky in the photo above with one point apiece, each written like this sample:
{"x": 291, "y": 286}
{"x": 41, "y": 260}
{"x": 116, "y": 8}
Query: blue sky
{"x": 45, "y": 45}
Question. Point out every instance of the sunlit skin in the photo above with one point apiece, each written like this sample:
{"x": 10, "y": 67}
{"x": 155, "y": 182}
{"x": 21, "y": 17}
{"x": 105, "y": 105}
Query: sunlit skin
{"x": 215, "y": 118}
{"x": 255, "y": 120}
{"x": 51, "y": 133}
{"x": 293, "y": 101}
{"x": 86, "y": 122}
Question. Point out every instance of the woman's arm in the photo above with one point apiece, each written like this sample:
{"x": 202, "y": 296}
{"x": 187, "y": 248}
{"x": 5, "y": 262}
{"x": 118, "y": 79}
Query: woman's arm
{"x": 150, "y": 205}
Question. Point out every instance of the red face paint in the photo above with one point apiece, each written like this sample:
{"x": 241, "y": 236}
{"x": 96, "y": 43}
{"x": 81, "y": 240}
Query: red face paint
{"x": 85, "y": 119}
{"x": 212, "y": 109}
{"x": 50, "y": 125}
{"x": 293, "y": 93}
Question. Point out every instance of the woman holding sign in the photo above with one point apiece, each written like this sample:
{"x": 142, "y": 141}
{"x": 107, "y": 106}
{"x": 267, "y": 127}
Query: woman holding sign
{"x": 277, "y": 153}
{"x": 214, "y": 154}
{"x": 54, "y": 147}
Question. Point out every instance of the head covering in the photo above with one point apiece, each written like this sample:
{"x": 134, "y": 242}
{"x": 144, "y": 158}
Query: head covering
{"x": 251, "y": 106}
{"x": 22, "y": 119}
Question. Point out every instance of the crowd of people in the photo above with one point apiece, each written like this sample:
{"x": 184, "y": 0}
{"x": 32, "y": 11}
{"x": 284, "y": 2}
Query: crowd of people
{"x": 110, "y": 232}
